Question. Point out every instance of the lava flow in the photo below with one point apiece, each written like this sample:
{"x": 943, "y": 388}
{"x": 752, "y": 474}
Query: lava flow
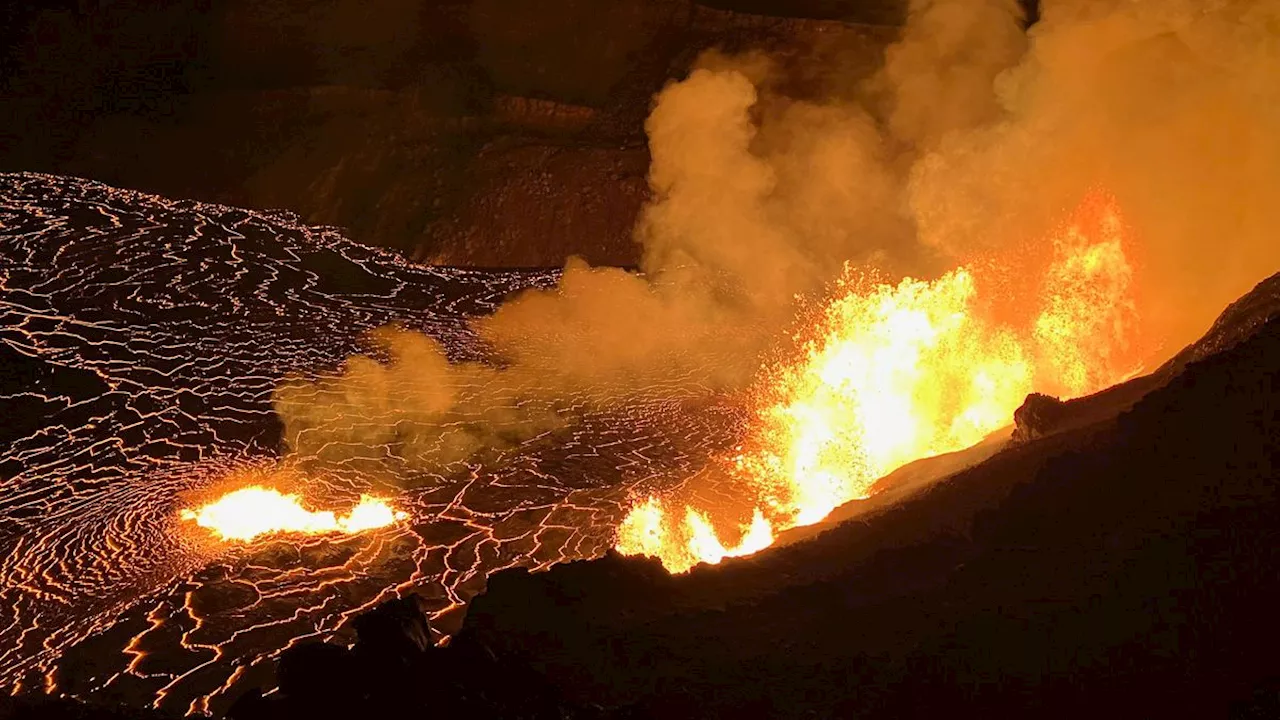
{"x": 145, "y": 338}
{"x": 252, "y": 511}
{"x": 895, "y": 373}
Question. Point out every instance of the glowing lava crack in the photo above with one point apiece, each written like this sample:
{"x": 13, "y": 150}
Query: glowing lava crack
{"x": 147, "y": 337}
{"x": 249, "y": 512}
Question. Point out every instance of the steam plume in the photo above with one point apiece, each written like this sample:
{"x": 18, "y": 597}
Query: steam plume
{"x": 971, "y": 140}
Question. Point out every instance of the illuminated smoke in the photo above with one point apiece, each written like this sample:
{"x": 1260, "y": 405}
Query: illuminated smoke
{"x": 895, "y": 372}
{"x": 966, "y": 149}
{"x": 1171, "y": 106}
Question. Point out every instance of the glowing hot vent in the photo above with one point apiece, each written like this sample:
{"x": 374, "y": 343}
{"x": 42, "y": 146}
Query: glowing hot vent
{"x": 898, "y": 372}
{"x": 246, "y": 513}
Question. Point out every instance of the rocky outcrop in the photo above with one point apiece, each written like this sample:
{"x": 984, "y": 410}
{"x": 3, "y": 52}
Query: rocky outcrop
{"x": 1240, "y": 321}
{"x": 1039, "y": 415}
{"x": 394, "y": 669}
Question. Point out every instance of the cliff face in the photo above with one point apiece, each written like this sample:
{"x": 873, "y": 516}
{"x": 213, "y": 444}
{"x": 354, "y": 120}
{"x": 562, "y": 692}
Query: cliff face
{"x": 486, "y": 133}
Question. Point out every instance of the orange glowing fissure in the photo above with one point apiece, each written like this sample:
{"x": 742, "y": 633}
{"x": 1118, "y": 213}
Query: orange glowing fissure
{"x": 253, "y": 511}
{"x": 899, "y": 372}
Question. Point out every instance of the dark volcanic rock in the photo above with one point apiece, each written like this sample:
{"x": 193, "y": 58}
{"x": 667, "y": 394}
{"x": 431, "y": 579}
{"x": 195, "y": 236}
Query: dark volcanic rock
{"x": 395, "y": 670}
{"x": 1237, "y": 323}
{"x": 1240, "y": 321}
{"x": 1130, "y": 564}
{"x": 316, "y": 673}
{"x": 1038, "y": 415}
{"x": 395, "y": 630}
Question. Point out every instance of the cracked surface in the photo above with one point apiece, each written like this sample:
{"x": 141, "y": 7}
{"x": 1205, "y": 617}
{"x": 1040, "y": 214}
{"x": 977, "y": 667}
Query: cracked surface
{"x": 142, "y": 339}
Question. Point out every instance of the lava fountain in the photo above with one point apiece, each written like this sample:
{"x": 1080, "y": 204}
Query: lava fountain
{"x": 897, "y": 372}
{"x": 252, "y": 511}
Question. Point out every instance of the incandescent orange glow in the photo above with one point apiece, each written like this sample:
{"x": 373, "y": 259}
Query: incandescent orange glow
{"x": 645, "y": 531}
{"x": 246, "y": 513}
{"x": 898, "y": 372}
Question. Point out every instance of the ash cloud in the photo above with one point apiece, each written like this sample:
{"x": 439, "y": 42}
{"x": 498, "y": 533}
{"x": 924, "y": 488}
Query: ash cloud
{"x": 974, "y": 137}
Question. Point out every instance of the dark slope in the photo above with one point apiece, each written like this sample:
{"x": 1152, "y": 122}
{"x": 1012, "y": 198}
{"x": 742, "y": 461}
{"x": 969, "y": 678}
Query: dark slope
{"x": 1129, "y": 566}
{"x": 1237, "y": 323}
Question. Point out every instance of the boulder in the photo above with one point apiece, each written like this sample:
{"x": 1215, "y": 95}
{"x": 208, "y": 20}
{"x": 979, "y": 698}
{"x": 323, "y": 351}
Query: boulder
{"x": 1038, "y": 416}
{"x": 397, "y": 629}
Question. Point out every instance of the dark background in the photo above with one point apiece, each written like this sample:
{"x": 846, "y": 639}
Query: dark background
{"x": 488, "y": 132}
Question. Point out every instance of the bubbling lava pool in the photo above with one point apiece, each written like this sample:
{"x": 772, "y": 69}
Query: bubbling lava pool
{"x": 254, "y": 511}
{"x": 142, "y": 341}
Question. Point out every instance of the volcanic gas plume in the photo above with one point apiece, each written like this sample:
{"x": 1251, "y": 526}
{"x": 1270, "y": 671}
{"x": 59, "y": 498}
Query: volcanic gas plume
{"x": 893, "y": 373}
{"x": 841, "y": 272}
{"x": 990, "y": 213}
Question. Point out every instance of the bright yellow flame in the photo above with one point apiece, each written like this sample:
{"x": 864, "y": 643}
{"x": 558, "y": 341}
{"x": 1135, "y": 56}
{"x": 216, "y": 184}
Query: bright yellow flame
{"x": 1086, "y": 325}
{"x": 246, "y": 513}
{"x": 900, "y": 372}
{"x": 706, "y": 546}
{"x": 644, "y": 532}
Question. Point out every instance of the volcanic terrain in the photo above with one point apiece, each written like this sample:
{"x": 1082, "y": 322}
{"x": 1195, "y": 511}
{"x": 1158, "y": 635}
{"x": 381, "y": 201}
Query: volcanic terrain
{"x": 1117, "y": 550}
{"x": 1117, "y": 560}
{"x": 142, "y": 340}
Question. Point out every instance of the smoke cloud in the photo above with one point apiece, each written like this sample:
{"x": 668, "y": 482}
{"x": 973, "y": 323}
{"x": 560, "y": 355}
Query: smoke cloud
{"x": 1171, "y": 106}
{"x": 974, "y": 138}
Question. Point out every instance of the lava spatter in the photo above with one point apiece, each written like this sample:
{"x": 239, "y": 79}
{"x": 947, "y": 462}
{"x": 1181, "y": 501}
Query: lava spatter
{"x": 895, "y": 372}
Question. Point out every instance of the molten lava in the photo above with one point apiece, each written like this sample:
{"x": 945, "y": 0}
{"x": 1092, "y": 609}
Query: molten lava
{"x": 246, "y": 513}
{"x": 895, "y": 373}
